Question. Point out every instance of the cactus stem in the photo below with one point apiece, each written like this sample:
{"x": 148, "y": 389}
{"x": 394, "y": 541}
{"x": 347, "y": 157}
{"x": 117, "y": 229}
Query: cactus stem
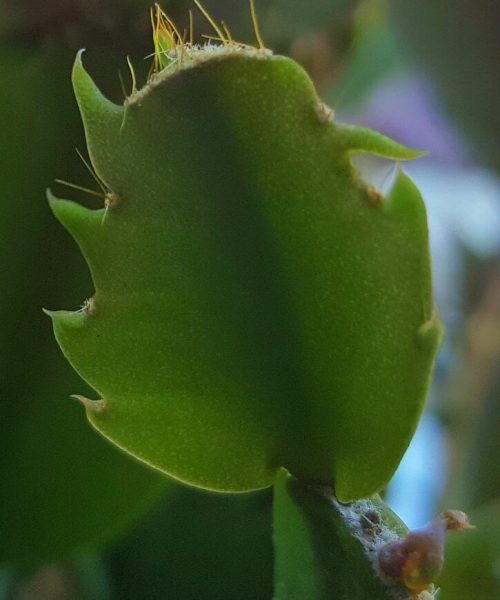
{"x": 366, "y": 522}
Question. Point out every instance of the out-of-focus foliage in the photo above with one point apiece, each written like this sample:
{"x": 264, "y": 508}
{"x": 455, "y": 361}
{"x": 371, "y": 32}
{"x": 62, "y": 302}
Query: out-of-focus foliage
{"x": 471, "y": 569}
{"x": 473, "y": 400}
{"x": 62, "y": 487}
{"x": 198, "y": 545}
{"x": 473, "y": 409}
{"x": 373, "y": 54}
{"x": 458, "y": 43}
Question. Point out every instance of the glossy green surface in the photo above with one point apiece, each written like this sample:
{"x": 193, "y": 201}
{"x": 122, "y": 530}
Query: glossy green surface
{"x": 256, "y": 305}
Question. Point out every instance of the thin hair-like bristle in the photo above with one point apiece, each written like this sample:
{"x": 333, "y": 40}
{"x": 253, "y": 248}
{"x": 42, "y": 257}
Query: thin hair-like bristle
{"x": 227, "y": 32}
{"x": 122, "y": 84}
{"x": 132, "y": 74}
{"x": 256, "y": 27}
{"x": 214, "y": 25}
{"x": 191, "y": 28}
{"x": 80, "y": 188}
{"x": 92, "y": 172}
{"x": 170, "y": 46}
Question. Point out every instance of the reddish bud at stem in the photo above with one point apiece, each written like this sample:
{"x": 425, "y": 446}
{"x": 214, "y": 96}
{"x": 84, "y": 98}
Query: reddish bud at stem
{"x": 417, "y": 560}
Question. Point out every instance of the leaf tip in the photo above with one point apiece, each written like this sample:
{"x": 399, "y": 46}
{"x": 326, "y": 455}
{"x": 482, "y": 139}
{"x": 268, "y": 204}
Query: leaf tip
{"x": 91, "y": 406}
{"x": 67, "y": 319}
{"x": 81, "y": 222}
{"x": 78, "y": 59}
{"x": 96, "y": 110}
{"x": 362, "y": 139}
{"x": 80, "y": 78}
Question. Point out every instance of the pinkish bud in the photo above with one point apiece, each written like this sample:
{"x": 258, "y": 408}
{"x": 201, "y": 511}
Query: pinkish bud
{"x": 417, "y": 560}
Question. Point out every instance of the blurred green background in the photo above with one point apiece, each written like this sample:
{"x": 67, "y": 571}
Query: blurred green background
{"x": 80, "y": 520}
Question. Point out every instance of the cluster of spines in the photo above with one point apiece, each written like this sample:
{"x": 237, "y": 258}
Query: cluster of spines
{"x": 171, "y": 46}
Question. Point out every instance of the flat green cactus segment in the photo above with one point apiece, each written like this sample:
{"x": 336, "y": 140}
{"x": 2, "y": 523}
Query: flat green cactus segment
{"x": 327, "y": 550}
{"x": 256, "y": 305}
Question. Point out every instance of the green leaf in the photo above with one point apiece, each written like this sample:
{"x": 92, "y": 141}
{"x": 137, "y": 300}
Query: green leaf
{"x": 327, "y": 550}
{"x": 256, "y": 304}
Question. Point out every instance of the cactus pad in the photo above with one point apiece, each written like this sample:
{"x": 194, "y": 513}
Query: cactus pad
{"x": 256, "y": 304}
